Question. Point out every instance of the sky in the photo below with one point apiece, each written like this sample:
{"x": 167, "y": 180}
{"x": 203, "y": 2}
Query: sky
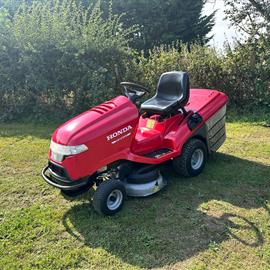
{"x": 222, "y": 30}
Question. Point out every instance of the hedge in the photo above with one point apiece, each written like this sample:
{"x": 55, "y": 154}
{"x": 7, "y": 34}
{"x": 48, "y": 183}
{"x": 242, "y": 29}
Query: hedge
{"x": 57, "y": 60}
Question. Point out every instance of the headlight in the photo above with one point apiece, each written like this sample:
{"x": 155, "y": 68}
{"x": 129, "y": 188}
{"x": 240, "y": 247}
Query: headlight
{"x": 60, "y": 151}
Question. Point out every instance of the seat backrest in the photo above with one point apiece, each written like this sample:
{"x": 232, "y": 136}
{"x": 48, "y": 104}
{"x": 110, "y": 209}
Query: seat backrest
{"x": 174, "y": 86}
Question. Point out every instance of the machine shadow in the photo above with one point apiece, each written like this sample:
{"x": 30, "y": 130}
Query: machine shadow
{"x": 179, "y": 223}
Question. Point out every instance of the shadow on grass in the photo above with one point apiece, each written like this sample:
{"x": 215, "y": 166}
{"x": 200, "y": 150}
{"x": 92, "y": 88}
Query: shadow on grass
{"x": 179, "y": 223}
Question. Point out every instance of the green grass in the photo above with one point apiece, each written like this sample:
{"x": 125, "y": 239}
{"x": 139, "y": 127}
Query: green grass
{"x": 219, "y": 220}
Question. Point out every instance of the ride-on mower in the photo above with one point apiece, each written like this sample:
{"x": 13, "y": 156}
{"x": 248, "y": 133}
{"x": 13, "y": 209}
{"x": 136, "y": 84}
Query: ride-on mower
{"x": 118, "y": 146}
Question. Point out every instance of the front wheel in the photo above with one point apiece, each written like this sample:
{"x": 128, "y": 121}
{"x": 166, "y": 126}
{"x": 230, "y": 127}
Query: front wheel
{"x": 109, "y": 197}
{"x": 192, "y": 160}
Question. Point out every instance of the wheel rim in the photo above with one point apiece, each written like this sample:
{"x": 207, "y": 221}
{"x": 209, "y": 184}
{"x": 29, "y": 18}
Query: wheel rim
{"x": 114, "y": 200}
{"x": 197, "y": 159}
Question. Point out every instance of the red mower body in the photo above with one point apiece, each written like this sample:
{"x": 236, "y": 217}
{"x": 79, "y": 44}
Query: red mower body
{"x": 115, "y": 131}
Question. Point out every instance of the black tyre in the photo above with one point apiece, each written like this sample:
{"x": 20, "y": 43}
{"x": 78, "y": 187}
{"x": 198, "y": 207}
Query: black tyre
{"x": 192, "y": 160}
{"x": 143, "y": 175}
{"x": 109, "y": 197}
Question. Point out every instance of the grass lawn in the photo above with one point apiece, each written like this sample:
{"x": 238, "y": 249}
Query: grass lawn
{"x": 219, "y": 220}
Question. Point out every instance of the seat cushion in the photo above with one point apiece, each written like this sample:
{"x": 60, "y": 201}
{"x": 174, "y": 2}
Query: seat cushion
{"x": 172, "y": 94}
{"x": 158, "y": 105}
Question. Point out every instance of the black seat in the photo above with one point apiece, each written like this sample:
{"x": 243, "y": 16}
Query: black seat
{"x": 172, "y": 94}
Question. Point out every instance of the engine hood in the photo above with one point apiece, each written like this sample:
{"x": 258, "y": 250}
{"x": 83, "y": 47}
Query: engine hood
{"x": 98, "y": 121}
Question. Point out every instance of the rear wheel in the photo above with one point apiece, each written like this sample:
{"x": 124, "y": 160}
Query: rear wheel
{"x": 192, "y": 160}
{"x": 109, "y": 197}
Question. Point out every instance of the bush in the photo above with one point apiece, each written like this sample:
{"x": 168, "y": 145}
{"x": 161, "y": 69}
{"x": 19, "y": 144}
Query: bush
{"x": 57, "y": 58}
{"x": 242, "y": 73}
{"x": 204, "y": 65}
{"x": 247, "y": 73}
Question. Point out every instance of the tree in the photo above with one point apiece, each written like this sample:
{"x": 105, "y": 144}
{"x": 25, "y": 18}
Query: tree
{"x": 251, "y": 16}
{"x": 158, "y": 21}
{"x": 252, "y": 57}
{"x": 164, "y": 22}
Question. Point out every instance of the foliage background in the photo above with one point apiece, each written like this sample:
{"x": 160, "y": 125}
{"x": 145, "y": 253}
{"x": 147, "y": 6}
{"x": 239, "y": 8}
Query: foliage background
{"x": 242, "y": 73}
{"x": 60, "y": 58}
{"x": 163, "y": 22}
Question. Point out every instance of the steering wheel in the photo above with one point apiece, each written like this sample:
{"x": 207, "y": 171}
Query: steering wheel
{"x": 134, "y": 91}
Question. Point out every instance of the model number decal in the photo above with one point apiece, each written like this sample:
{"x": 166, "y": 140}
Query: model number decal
{"x": 119, "y": 133}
